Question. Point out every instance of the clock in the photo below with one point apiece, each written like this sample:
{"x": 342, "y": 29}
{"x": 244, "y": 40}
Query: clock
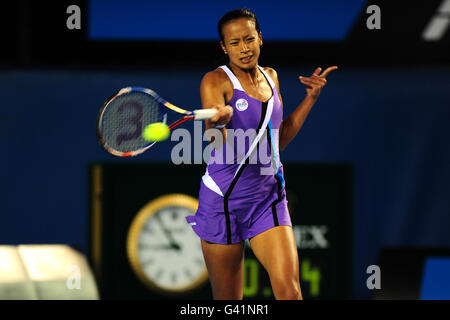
{"x": 163, "y": 250}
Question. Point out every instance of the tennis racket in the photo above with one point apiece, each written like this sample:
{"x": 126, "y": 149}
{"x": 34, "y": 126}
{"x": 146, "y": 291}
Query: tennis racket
{"x": 124, "y": 116}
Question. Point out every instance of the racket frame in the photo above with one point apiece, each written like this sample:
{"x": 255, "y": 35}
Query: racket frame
{"x": 200, "y": 114}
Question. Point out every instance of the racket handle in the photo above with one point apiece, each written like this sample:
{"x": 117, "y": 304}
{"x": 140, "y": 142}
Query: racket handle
{"x": 202, "y": 114}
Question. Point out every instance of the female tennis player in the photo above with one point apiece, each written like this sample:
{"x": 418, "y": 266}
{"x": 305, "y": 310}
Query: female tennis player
{"x": 236, "y": 200}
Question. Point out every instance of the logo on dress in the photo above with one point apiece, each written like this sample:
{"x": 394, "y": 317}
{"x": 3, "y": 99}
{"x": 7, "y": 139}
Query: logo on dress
{"x": 241, "y": 104}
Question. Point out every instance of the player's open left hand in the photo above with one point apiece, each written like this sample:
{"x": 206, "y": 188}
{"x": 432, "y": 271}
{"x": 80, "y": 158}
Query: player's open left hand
{"x": 316, "y": 81}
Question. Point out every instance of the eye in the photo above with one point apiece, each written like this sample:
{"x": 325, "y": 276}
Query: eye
{"x": 234, "y": 43}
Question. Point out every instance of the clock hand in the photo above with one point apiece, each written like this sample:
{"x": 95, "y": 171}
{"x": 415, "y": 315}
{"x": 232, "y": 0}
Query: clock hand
{"x": 167, "y": 233}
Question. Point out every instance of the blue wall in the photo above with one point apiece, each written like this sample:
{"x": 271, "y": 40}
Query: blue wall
{"x": 392, "y": 124}
{"x": 139, "y": 20}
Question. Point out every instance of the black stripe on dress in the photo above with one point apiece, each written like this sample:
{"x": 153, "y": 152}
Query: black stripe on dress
{"x": 236, "y": 178}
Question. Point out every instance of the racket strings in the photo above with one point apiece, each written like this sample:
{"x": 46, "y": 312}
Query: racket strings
{"x": 125, "y": 118}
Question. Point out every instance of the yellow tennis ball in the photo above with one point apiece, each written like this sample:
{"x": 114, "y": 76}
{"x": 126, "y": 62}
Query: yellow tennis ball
{"x": 157, "y": 131}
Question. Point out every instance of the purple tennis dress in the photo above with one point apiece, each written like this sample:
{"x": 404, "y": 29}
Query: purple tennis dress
{"x": 242, "y": 191}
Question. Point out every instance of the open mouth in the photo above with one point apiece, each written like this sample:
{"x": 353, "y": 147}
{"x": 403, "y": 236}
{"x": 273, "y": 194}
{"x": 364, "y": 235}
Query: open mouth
{"x": 246, "y": 59}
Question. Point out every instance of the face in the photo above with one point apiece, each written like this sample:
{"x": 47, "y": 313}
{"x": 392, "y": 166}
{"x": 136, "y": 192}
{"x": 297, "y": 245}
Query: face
{"x": 241, "y": 43}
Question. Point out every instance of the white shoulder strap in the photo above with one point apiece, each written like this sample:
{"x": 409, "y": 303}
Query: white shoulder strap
{"x": 234, "y": 80}
{"x": 272, "y": 84}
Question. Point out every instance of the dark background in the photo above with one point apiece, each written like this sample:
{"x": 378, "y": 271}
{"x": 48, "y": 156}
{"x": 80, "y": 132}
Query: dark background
{"x": 322, "y": 198}
{"x": 385, "y": 111}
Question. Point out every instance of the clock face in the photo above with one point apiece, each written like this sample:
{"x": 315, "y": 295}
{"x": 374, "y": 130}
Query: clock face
{"x": 163, "y": 249}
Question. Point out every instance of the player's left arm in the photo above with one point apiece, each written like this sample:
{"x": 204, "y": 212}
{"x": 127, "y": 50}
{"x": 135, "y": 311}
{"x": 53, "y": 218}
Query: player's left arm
{"x": 291, "y": 125}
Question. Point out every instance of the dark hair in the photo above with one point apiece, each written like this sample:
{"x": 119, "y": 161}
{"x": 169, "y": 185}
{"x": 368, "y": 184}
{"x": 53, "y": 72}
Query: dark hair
{"x": 236, "y": 14}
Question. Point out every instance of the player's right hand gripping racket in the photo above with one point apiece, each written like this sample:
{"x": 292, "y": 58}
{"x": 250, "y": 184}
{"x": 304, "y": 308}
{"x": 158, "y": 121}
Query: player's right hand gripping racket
{"x": 124, "y": 116}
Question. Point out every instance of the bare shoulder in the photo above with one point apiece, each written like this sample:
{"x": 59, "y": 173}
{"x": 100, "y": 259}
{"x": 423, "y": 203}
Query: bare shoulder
{"x": 272, "y": 73}
{"x": 216, "y": 87}
{"x": 216, "y": 78}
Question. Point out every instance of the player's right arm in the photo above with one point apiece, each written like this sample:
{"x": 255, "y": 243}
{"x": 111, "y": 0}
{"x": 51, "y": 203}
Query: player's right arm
{"x": 214, "y": 89}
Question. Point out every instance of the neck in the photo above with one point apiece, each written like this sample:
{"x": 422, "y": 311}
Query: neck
{"x": 252, "y": 74}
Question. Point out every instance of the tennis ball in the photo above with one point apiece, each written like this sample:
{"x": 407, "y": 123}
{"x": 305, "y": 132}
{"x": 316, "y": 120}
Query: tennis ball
{"x": 157, "y": 131}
